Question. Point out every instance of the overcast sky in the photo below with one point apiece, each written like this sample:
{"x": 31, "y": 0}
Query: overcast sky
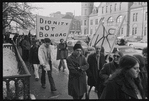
{"x": 63, "y": 7}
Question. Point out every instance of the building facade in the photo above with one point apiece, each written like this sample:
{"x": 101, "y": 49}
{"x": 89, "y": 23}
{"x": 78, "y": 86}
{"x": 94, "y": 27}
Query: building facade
{"x": 112, "y": 13}
{"x": 138, "y": 20}
{"x": 86, "y": 10}
{"x": 75, "y": 28}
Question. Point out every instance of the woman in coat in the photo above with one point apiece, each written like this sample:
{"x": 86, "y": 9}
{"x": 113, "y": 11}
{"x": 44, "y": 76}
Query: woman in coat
{"x": 143, "y": 74}
{"x": 77, "y": 65}
{"x": 124, "y": 83}
{"x": 62, "y": 53}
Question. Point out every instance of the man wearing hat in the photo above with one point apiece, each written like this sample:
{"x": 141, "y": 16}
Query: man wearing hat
{"x": 77, "y": 65}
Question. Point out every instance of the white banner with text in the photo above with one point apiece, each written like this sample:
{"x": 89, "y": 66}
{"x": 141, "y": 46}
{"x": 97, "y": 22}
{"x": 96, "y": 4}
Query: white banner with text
{"x": 53, "y": 28}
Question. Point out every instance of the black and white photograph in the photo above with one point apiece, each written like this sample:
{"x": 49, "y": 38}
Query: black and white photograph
{"x": 74, "y": 50}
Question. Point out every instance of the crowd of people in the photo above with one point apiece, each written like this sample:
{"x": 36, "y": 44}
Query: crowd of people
{"x": 125, "y": 77}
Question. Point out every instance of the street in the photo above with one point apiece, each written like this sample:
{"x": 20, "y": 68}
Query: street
{"x": 61, "y": 82}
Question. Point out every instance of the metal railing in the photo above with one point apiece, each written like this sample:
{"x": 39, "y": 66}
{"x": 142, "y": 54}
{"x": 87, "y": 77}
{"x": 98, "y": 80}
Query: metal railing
{"x": 21, "y": 82}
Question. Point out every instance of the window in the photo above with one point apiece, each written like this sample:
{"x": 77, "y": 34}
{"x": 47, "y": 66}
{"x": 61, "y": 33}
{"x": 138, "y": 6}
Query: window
{"x": 85, "y": 12}
{"x": 145, "y": 16}
{"x": 102, "y": 9}
{"x": 120, "y": 6}
{"x": 84, "y": 22}
{"x": 115, "y": 7}
{"x": 96, "y": 21}
{"x": 136, "y": 16}
{"x": 119, "y": 19}
{"x": 110, "y": 8}
{"x": 106, "y": 9}
{"x": 133, "y": 16}
{"x": 135, "y": 30}
{"x": 110, "y": 21}
{"x": 145, "y": 31}
{"x": 91, "y": 22}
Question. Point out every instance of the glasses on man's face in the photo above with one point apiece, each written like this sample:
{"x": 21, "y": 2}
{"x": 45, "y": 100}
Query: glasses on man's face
{"x": 116, "y": 56}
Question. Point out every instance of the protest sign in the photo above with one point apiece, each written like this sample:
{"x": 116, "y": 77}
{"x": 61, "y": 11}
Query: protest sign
{"x": 53, "y": 28}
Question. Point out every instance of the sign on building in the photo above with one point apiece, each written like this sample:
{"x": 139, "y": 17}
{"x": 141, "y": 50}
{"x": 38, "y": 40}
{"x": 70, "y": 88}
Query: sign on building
{"x": 53, "y": 28}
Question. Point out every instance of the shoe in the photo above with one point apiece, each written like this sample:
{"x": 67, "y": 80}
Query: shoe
{"x": 53, "y": 90}
{"x": 43, "y": 86}
{"x": 37, "y": 79}
{"x": 54, "y": 94}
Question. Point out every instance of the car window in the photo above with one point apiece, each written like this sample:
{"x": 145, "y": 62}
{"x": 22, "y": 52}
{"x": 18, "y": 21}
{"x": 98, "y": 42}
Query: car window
{"x": 127, "y": 50}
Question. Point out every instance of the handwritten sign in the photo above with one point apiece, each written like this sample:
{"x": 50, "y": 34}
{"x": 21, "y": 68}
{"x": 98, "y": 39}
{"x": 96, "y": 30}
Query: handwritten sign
{"x": 53, "y": 28}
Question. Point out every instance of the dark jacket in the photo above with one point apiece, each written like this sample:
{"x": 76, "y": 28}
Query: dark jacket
{"x": 93, "y": 72}
{"x": 108, "y": 69}
{"x": 118, "y": 88}
{"x": 34, "y": 55}
{"x": 62, "y": 51}
{"x": 77, "y": 78}
{"x": 25, "y": 44}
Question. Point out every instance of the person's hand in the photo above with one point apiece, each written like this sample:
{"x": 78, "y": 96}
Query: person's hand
{"x": 110, "y": 75}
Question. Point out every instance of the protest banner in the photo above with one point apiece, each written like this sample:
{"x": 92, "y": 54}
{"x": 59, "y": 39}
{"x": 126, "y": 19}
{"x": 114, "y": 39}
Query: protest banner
{"x": 53, "y": 28}
{"x": 106, "y": 37}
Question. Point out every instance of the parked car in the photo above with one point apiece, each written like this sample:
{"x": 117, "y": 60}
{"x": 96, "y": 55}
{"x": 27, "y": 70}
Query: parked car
{"x": 126, "y": 50}
{"x": 87, "y": 49}
{"x": 137, "y": 45}
{"x": 121, "y": 41}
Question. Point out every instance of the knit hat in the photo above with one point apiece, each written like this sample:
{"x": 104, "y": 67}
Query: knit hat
{"x": 47, "y": 40}
{"x": 127, "y": 62}
{"x": 76, "y": 46}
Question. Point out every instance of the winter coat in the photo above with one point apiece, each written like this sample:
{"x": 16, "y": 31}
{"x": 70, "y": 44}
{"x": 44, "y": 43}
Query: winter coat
{"x": 107, "y": 69}
{"x": 93, "y": 72}
{"x": 34, "y": 55}
{"x": 62, "y": 52}
{"x": 118, "y": 88}
{"x": 25, "y": 44}
{"x": 44, "y": 56}
{"x": 77, "y": 78}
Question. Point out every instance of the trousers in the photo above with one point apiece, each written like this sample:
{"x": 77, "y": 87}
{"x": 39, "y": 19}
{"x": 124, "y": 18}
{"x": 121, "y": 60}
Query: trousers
{"x": 62, "y": 64}
{"x": 36, "y": 70}
{"x": 43, "y": 78}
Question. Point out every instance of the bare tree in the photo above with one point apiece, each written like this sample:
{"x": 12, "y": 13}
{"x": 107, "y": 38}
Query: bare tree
{"x": 19, "y": 12}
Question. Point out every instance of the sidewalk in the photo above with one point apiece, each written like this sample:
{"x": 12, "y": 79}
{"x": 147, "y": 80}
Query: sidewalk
{"x": 61, "y": 82}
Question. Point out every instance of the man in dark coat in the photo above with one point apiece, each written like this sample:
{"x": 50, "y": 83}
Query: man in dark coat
{"x": 34, "y": 59}
{"x": 77, "y": 65}
{"x": 62, "y": 53}
{"x": 96, "y": 61}
{"x": 25, "y": 44}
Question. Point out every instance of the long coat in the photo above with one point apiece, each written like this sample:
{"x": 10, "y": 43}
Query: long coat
{"x": 77, "y": 78}
{"x": 118, "y": 88}
{"x": 62, "y": 51}
{"x": 44, "y": 56}
{"x": 34, "y": 55}
{"x": 93, "y": 72}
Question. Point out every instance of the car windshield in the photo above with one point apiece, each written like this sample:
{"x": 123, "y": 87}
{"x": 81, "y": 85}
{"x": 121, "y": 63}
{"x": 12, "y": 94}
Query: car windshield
{"x": 127, "y": 50}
